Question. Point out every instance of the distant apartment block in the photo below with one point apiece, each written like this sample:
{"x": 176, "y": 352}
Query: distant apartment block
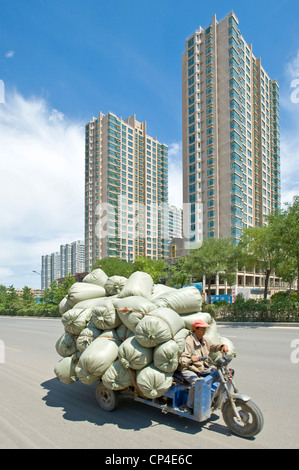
{"x": 126, "y": 191}
{"x": 69, "y": 260}
{"x": 231, "y": 134}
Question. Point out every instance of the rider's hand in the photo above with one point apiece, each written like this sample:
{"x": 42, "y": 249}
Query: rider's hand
{"x": 224, "y": 349}
{"x": 194, "y": 358}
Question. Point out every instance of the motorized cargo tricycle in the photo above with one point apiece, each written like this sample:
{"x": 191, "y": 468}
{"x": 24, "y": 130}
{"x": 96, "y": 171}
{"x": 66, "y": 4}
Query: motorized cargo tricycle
{"x": 213, "y": 391}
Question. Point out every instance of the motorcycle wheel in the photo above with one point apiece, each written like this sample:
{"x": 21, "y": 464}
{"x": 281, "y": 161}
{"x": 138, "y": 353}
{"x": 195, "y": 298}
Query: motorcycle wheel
{"x": 251, "y": 416}
{"x": 107, "y": 399}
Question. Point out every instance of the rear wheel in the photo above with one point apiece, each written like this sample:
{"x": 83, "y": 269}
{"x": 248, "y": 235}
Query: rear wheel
{"x": 107, "y": 399}
{"x": 252, "y": 420}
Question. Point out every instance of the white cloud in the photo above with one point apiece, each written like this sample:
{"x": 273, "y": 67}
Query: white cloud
{"x": 9, "y": 54}
{"x": 290, "y": 131}
{"x": 175, "y": 178}
{"x": 42, "y": 186}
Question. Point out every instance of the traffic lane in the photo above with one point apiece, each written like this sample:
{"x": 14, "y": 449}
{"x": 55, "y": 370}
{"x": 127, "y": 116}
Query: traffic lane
{"x": 265, "y": 370}
{"x": 39, "y": 411}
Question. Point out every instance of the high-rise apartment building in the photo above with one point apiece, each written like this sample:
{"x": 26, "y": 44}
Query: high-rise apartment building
{"x": 69, "y": 260}
{"x": 126, "y": 191}
{"x": 231, "y": 138}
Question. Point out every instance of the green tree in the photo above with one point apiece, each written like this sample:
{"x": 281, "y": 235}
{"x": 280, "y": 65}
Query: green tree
{"x": 259, "y": 251}
{"x": 57, "y": 291}
{"x": 179, "y": 274}
{"x": 216, "y": 256}
{"x": 114, "y": 267}
{"x": 27, "y": 296}
{"x": 155, "y": 268}
{"x": 284, "y": 224}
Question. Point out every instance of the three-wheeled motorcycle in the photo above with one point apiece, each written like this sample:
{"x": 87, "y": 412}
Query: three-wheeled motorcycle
{"x": 213, "y": 391}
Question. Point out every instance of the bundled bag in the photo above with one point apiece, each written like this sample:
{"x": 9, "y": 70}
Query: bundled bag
{"x": 159, "y": 289}
{"x": 117, "y": 377}
{"x": 97, "y": 276}
{"x": 184, "y": 300}
{"x": 212, "y": 332}
{"x": 99, "y": 355}
{"x": 139, "y": 283}
{"x": 91, "y": 303}
{"x": 64, "y": 306}
{"x": 84, "y": 291}
{"x": 158, "y": 326}
{"x": 180, "y": 339}
{"x": 190, "y": 318}
{"x": 66, "y": 345}
{"x": 132, "y": 355}
{"x": 132, "y": 309}
{"x": 87, "y": 336}
{"x": 231, "y": 349}
{"x": 84, "y": 377}
{"x": 105, "y": 316}
{"x": 152, "y": 382}
{"x": 65, "y": 369}
{"x": 166, "y": 356}
{"x": 75, "y": 320}
{"x": 114, "y": 284}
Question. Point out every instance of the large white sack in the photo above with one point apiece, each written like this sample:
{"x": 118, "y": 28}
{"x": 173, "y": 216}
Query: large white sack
{"x": 64, "y": 306}
{"x": 75, "y": 320}
{"x": 132, "y": 355}
{"x": 65, "y": 369}
{"x": 229, "y": 344}
{"x": 97, "y": 276}
{"x": 159, "y": 289}
{"x": 166, "y": 356}
{"x": 152, "y": 382}
{"x": 87, "y": 336}
{"x": 84, "y": 377}
{"x": 99, "y": 355}
{"x": 139, "y": 283}
{"x": 117, "y": 377}
{"x": 191, "y": 317}
{"x": 158, "y": 326}
{"x": 66, "y": 345}
{"x": 83, "y": 291}
{"x": 212, "y": 332}
{"x": 184, "y": 300}
{"x": 131, "y": 309}
{"x": 180, "y": 338}
{"x": 105, "y": 316}
{"x": 90, "y": 303}
{"x": 114, "y": 284}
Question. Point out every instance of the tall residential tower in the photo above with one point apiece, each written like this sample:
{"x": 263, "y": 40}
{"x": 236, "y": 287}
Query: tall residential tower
{"x": 231, "y": 138}
{"x": 126, "y": 191}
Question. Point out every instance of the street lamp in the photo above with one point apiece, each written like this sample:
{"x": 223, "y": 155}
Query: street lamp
{"x": 37, "y": 273}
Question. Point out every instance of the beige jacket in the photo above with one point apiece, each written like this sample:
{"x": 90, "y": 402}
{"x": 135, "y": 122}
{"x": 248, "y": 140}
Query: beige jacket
{"x": 199, "y": 348}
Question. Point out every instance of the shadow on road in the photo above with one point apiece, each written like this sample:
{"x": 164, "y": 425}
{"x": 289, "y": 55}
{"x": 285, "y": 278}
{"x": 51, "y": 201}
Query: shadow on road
{"x": 79, "y": 403}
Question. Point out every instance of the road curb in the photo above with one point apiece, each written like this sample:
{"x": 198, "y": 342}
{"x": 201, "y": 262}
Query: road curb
{"x": 256, "y": 324}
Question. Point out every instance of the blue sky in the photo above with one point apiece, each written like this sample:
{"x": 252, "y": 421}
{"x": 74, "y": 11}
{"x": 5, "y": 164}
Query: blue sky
{"x": 64, "y": 61}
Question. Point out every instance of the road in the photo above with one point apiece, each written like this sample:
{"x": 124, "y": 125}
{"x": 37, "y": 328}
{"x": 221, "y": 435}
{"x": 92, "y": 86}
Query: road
{"x": 39, "y": 412}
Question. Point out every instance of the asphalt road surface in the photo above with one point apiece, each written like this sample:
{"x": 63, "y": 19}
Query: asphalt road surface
{"x": 39, "y": 412}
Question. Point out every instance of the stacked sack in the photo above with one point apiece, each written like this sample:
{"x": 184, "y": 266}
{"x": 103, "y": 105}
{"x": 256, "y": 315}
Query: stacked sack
{"x": 127, "y": 332}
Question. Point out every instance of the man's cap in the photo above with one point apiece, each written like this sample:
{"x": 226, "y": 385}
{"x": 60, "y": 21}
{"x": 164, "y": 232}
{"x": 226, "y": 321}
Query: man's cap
{"x": 199, "y": 323}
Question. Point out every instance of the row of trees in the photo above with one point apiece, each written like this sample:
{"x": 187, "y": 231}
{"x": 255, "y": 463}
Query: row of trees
{"x": 272, "y": 248}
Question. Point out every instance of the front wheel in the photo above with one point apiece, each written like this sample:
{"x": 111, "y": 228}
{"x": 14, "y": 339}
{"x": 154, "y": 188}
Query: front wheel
{"x": 252, "y": 420}
{"x": 107, "y": 399}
